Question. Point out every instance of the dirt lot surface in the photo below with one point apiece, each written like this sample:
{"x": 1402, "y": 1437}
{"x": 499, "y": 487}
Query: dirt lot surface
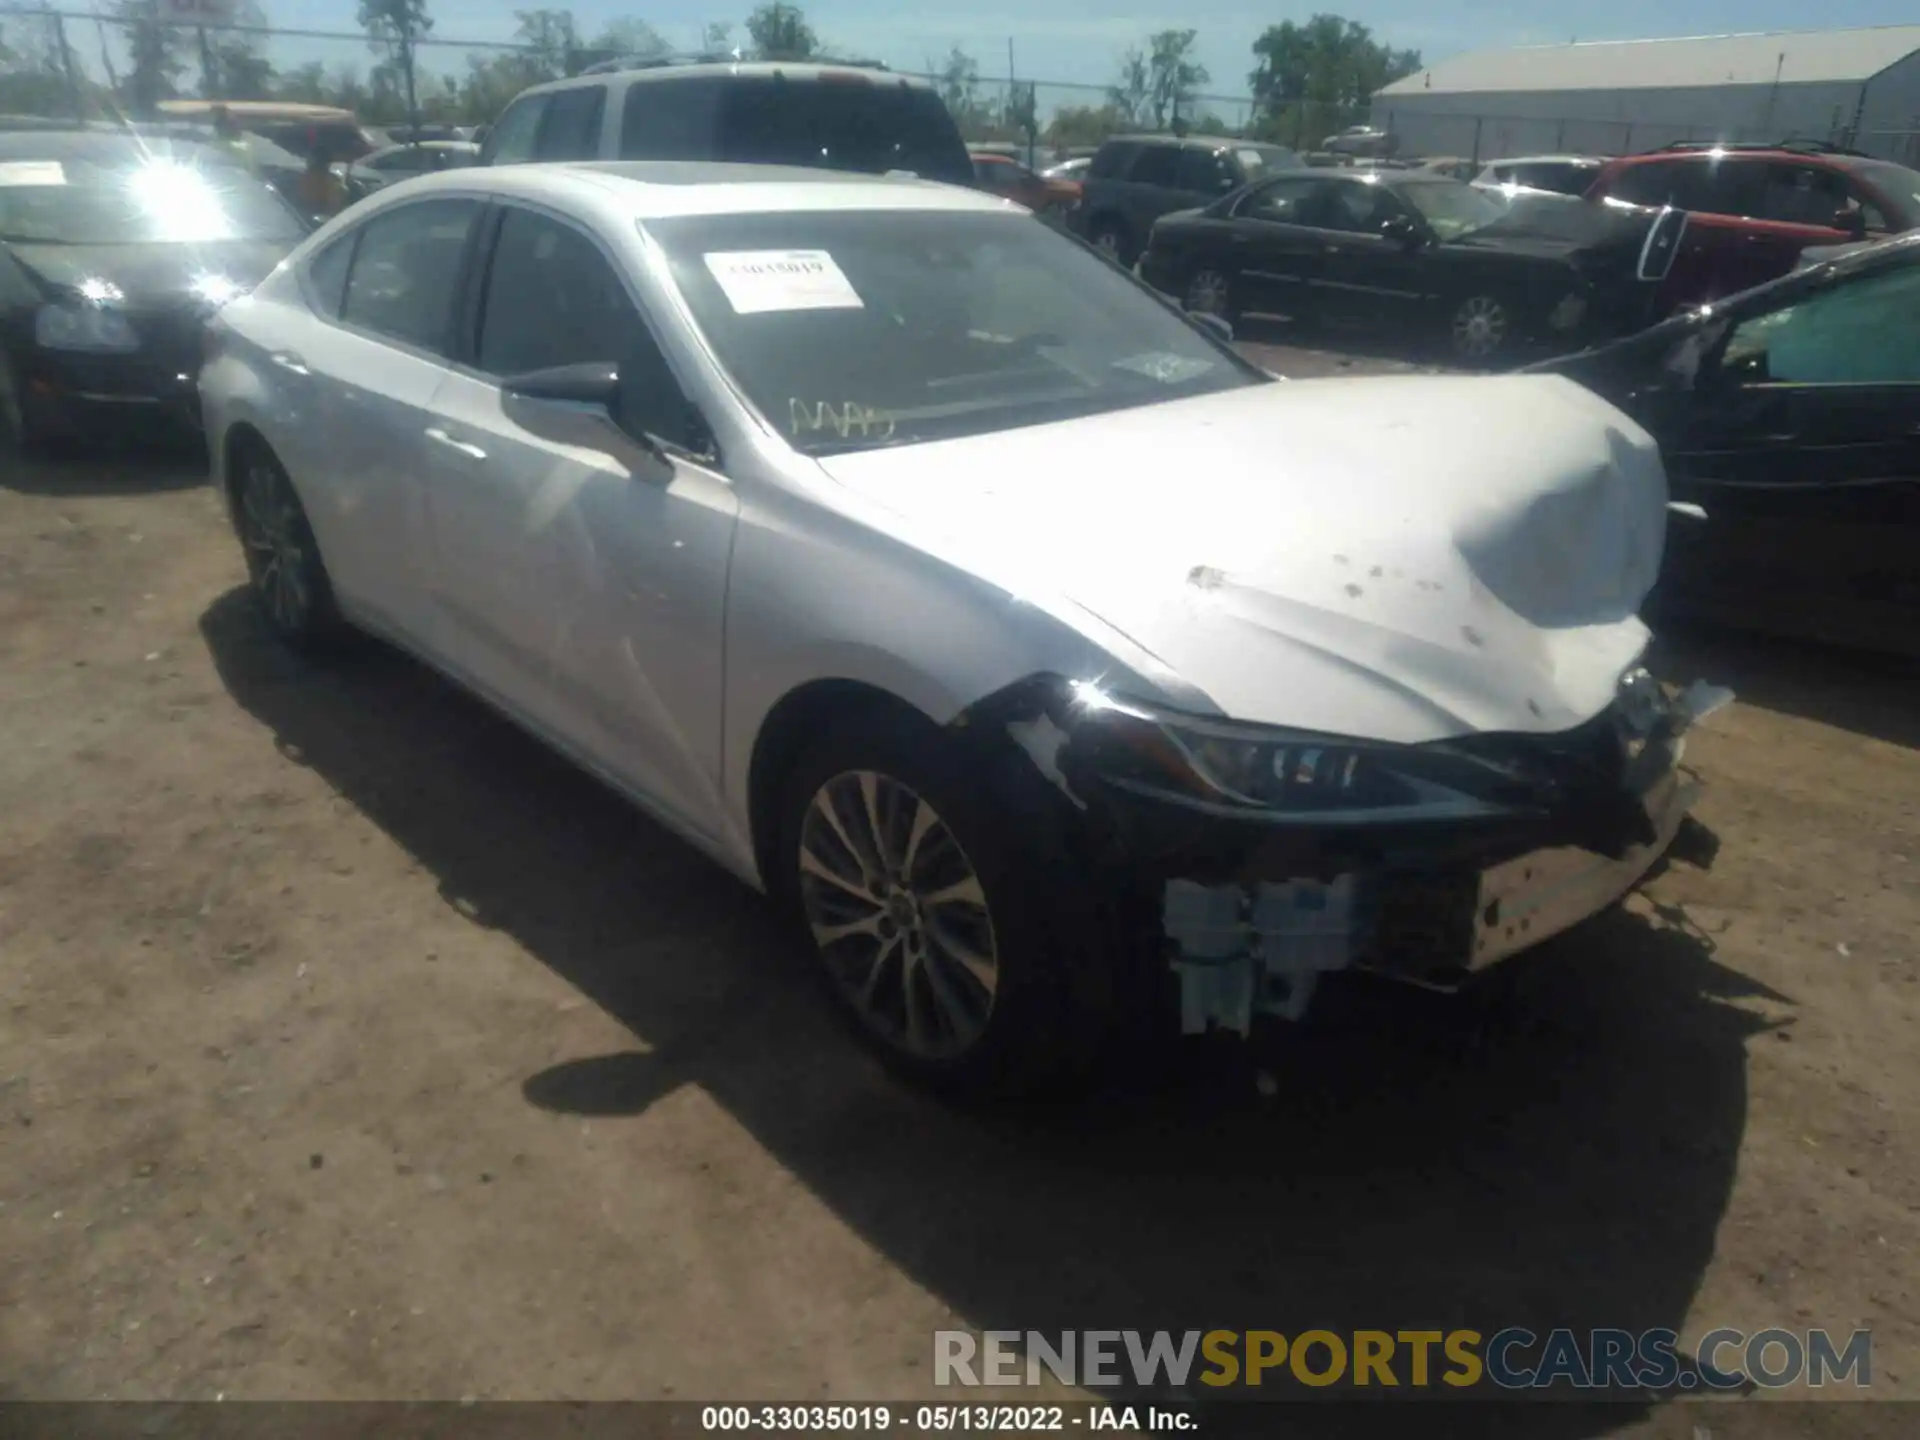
{"x": 353, "y": 1046}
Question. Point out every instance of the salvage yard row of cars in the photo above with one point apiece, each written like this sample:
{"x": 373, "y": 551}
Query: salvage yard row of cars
{"x": 1057, "y": 673}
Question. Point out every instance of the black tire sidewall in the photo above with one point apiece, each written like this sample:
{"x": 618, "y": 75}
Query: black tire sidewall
{"x": 1051, "y": 1003}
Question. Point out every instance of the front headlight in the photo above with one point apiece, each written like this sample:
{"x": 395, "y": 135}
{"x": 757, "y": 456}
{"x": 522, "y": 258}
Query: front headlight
{"x": 1285, "y": 774}
{"x": 84, "y": 327}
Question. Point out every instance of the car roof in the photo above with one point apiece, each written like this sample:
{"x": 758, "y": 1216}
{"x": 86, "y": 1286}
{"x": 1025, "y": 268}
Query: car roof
{"x": 1797, "y": 157}
{"x": 731, "y": 69}
{"x": 654, "y": 189}
{"x": 1208, "y": 142}
{"x": 1593, "y": 160}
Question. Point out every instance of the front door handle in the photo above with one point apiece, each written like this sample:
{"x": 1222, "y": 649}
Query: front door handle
{"x": 440, "y": 436}
{"x": 287, "y": 360}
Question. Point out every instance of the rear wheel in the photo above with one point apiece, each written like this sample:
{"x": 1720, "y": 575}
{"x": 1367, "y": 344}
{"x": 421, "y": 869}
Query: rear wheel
{"x": 15, "y": 436}
{"x": 289, "y": 580}
{"x": 956, "y": 940}
{"x": 1481, "y": 328}
{"x": 1210, "y": 292}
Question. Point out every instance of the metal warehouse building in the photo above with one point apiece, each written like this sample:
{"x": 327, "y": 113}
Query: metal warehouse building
{"x": 1859, "y": 88}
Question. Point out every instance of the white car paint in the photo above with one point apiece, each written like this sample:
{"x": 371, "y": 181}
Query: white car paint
{"x": 1391, "y": 560}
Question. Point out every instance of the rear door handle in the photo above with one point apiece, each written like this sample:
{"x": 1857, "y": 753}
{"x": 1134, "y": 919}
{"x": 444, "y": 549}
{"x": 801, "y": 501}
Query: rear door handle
{"x": 287, "y": 360}
{"x": 440, "y": 436}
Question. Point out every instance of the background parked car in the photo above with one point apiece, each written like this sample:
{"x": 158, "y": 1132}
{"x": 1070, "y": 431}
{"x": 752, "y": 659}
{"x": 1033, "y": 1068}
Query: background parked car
{"x": 1755, "y": 208}
{"x": 1135, "y": 179}
{"x": 1074, "y": 169}
{"x": 1558, "y": 174}
{"x": 828, "y": 117}
{"x": 114, "y": 250}
{"x": 299, "y": 129}
{"x": 399, "y": 162}
{"x": 1003, "y": 175}
{"x": 1430, "y": 255}
{"x": 1789, "y": 415}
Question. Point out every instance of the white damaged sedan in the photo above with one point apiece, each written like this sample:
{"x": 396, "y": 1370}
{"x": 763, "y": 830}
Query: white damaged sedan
{"x": 1046, "y": 663}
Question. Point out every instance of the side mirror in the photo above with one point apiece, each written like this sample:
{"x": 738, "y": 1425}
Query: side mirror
{"x": 1852, "y": 220}
{"x": 593, "y": 386}
{"x": 1401, "y": 230}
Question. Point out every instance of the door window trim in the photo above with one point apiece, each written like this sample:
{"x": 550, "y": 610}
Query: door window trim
{"x": 472, "y": 302}
{"x": 443, "y": 356}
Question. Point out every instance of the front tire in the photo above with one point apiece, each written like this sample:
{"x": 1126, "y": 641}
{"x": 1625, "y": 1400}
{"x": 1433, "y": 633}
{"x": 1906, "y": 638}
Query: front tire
{"x": 288, "y": 579}
{"x": 1110, "y": 238}
{"x": 955, "y": 939}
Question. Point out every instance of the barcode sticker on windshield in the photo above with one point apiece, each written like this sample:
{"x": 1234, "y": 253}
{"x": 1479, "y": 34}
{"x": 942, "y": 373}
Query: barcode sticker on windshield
{"x": 32, "y": 172}
{"x": 759, "y": 281}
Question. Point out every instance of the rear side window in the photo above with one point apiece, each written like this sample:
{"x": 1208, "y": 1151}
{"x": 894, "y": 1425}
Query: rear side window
{"x": 833, "y": 124}
{"x": 570, "y": 130}
{"x": 1561, "y": 179}
{"x": 669, "y": 120}
{"x": 510, "y": 142}
{"x": 327, "y": 276}
{"x": 1156, "y": 165}
{"x": 405, "y": 271}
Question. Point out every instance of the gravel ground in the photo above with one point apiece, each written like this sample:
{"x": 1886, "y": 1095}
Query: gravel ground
{"x": 353, "y": 1046}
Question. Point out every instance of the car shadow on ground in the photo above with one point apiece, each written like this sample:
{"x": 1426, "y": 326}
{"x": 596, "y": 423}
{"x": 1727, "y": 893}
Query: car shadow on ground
{"x": 1556, "y": 1149}
{"x": 1874, "y": 695}
{"x": 110, "y": 468}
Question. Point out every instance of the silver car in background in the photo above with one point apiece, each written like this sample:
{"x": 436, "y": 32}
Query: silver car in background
{"x": 1049, "y": 666}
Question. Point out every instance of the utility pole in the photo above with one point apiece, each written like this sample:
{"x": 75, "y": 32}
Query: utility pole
{"x": 209, "y": 74}
{"x": 66, "y": 64}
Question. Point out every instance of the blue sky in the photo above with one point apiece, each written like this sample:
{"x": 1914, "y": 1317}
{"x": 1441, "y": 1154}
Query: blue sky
{"x": 1067, "y": 40}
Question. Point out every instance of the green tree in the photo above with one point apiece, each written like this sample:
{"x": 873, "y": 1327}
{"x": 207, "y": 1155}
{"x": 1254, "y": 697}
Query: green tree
{"x": 396, "y": 27}
{"x": 33, "y": 78}
{"x": 1173, "y": 76}
{"x": 780, "y": 32}
{"x": 1316, "y": 77}
{"x": 306, "y": 84}
{"x": 629, "y": 37}
{"x": 244, "y": 72}
{"x": 716, "y": 38}
{"x": 552, "y": 42}
{"x": 1131, "y": 95}
{"x": 1084, "y": 125}
{"x": 154, "y": 51}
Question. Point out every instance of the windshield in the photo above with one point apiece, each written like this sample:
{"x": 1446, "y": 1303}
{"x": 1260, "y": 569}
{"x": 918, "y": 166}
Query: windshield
{"x": 1257, "y": 160}
{"x": 853, "y": 329}
{"x": 1899, "y": 185}
{"x": 159, "y": 201}
{"x": 842, "y": 125}
{"x": 1453, "y": 209}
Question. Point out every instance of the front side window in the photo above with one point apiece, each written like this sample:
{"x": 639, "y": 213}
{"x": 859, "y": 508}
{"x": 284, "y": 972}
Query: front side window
{"x": 1206, "y": 173}
{"x": 1156, "y": 165}
{"x": 510, "y": 142}
{"x": 1112, "y": 160}
{"x": 406, "y": 270}
{"x": 853, "y": 329}
{"x": 1360, "y": 208}
{"x": 1863, "y": 332}
{"x": 1898, "y": 202}
{"x": 553, "y": 298}
{"x": 1680, "y": 183}
{"x": 327, "y": 275}
{"x": 570, "y": 130}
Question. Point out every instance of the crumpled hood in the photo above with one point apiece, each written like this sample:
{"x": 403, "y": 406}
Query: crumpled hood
{"x": 149, "y": 275}
{"x": 1399, "y": 558}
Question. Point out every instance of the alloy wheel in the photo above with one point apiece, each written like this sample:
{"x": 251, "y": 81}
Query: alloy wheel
{"x": 1207, "y": 294}
{"x": 898, "y": 914}
{"x": 1108, "y": 243}
{"x": 271, "y": 530}
{"x": 1479, "y": 327}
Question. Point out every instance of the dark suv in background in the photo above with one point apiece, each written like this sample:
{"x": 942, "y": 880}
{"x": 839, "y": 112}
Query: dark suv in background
{"x": 845, "y": 116}
{"x": 1135, "y": 179}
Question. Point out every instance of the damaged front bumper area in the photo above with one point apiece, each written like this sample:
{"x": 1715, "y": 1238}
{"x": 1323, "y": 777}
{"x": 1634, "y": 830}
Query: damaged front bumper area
{"x": 1272, "y": 858}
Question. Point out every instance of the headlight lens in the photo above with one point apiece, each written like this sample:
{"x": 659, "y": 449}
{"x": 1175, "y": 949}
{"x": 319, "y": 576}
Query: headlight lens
{"x": 84, "y": 327}
{"x": 1287, "y": 774}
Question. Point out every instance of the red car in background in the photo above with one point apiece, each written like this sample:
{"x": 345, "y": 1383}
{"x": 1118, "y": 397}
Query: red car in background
{"x": 1004, "y": 175}
{"x": 1755, "y": 208}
